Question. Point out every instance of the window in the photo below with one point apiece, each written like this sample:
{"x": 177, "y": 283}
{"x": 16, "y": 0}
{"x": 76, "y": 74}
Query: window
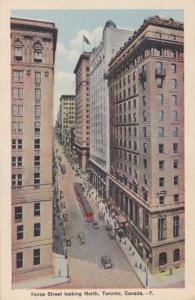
{"x": 17, "y": 110}
{"x": 135, "y": 160}
{"x": 145, "y": 163}
{"x": 18, "y": 76}
{"x": 174, "y": 99}
{"x": 36, "y": 256}
{"x": 134, "y": 89}
{"x": 161, "y": 99}
{"x": 130, "y": 157}
{"x": 161, "y": 181}
{"x": 144, "y": 131}
{"x": 17, "y": 144}
{"x": 161, "y": 118}
{"x": 37, "y": 161}
{"x": 162, "y": 259}
{"x": 37, "y": 229}
{"x": 17, "y": 127}
{"x": 173, "y": 68}
{"x": 19, "y": 260}
{"x": 175, "y": 163}
{"x": 133, "y": 75}
{"x": 18, "y": 213}
{"x": 159, "y": 82}
{"x": 18, "y": 51}
{"x": 134, "y": 103}
{"x": 176, "y": 198}
{"x": 161, "y": 164}
{"x": 176, "y": 132}
{"x": 175, "y": 226}
{"x": 16, "y": 180}
{"x": 37, "y": 144}
{"x": 37, "y": 110}
{"x": 175, "y": 148}
{"x": 16, "y": 161}
{"x": 161, "y": 200}
{"x": 36, "y": 178}
{"x": 37, "y": 127}
{"x": 161, "y": 131}
{"x": 20, "y": 232}
{"x": 145, "y": 179}
{"x": 176, "y": 180}
{"x": 37, "y": 77}
{"x": 176, "y": 255}
{"x": 135, "y": 145}
{"x": 144, "y": 116}
{"x": 144, "y": 100}
{"x": 145, "y": 147}
{"x": 173, "y": 83}
{"x": 162, "y": 230}
{"x": 37, "y": 94}
{"x": 17, "y": 93}
{"x": 38, "y": 55}
{"x": 175, "y": 116}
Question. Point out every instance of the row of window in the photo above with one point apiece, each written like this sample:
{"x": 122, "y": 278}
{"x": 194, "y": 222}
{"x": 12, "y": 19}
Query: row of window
{"x": 19, "y": 52}
{"x": 162, "y": 227}
{"x": 161, "y": 150}
{"x": 36, "y": 258}
{"x": 19, "y": 211}
{"x": 18, "y": 76}
{"x": 17, "y": 178}
{"x": 20, "y": 231}
{"x": 163, "y": 257}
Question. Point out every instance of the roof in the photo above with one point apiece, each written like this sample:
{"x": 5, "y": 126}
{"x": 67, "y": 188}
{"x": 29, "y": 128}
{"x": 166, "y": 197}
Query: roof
{"x": 84, "y": 55}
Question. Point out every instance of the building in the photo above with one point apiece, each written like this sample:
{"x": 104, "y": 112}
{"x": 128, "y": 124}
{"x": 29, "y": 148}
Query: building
{"x": 146, "y": 83}
{"x": 112, "y": 40}
{"x": 82, "y": 110}
{"x": 33, "y": 45}
{"x": 66, "y": 118}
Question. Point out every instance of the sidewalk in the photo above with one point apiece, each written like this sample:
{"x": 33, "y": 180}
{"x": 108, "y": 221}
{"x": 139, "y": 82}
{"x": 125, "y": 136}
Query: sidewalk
{"x": 160, "y": 280}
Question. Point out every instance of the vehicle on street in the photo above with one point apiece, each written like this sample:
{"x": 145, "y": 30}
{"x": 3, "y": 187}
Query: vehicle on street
{"x": 95, "y": 225}
{"x": 106, "y": 262}
{"x": 83, "y": 202}
{"x": 61, "y": 195}
{"x": 68, "y": 241}
{"x": 112, "y": 236}
{"x": 63, "y": 169}
{"x": 101, "y": 216}
{"x": 81, "y": 237}
{"x": 108, "y": 227}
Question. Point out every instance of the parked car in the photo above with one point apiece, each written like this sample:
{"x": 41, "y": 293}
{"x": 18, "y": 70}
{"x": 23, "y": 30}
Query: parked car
{"x": 112, "y": 236}
{"x": 61, "y": 195}
{"x": 81, "y": 237}
{"x": 95, "y": 225}
{"x": 106, "y": 262}
{"x": 101, "y": 216}
{"x": 63, "y": 169}
{"x": 68, "y": 241}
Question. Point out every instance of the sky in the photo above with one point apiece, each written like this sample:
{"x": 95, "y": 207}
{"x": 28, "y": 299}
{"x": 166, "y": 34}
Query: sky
{"x": 72, "y": 24}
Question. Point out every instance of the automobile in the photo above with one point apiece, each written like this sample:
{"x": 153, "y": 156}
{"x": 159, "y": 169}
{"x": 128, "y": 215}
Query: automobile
{"x": 95, "y": 225}
{"x": 106, "y": 262}
{"x": 101, "y": 216}
{"x": 81, "y": 237}
{"x": 112, "y": 235}
{"x": 63, "y": 169}
{"x": 61, "y": 195}
{"x": 68, "y": 241}
{"x": 108, "y": 227}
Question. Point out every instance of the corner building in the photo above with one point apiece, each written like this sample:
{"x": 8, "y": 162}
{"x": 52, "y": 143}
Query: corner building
{"x": 146, "y": 84}
{"x": 112, "y": 39}
{"x": 33, "y": 45}
{"x": 82, "y": 110}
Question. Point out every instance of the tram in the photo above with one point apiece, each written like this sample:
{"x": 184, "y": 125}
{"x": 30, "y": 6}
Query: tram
{"x": 83, "y": 202}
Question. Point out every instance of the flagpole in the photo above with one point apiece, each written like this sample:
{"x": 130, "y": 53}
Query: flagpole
{"x": 83, "y": 43}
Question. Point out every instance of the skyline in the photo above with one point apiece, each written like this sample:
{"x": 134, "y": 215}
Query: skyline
{"x": 70, "y": 43}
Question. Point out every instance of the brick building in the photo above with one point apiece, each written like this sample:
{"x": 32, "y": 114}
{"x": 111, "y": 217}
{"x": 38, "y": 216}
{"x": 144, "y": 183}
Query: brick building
{"x": 82, "y": 110}
{"x": 33, "y": 45}
{"x": 146, "y": 182}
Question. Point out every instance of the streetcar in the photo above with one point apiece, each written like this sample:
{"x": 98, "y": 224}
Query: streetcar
{"x": 83, "y": 202}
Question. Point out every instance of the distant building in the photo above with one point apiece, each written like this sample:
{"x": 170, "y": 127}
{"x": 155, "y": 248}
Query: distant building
{"x": 113, "y": 38}
{"x": 82, "y": 110}
{"x": 146, "y": 88}
{"x": 33, "y": 45}
{"x": 66, "y": 118}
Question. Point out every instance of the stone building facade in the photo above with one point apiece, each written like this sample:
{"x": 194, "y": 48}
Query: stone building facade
{"x": 33, "y": 45}
{"x": 112, "y": 39}
{"x": 82, "y": 110}
{"x": 146, "y": 182}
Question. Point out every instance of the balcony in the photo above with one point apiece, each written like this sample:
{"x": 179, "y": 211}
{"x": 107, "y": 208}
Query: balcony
{"x": 160, "y": 72}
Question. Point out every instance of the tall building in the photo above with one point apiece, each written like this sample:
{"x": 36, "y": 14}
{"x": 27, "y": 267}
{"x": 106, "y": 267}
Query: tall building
{"x": 66, "y": 118}
{"x": 112, "y": 40}
{"x": 147, "y": 141}
{"x": 33, "y": 45}
{"x": 82, "y": 110}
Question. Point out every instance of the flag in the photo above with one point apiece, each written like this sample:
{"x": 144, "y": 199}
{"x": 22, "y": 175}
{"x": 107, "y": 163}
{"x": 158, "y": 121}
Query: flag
{"x": 86, "y": 40}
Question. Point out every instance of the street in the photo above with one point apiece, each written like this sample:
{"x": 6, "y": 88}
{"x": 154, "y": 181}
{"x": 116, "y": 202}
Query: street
{"x": 85, "y": 268}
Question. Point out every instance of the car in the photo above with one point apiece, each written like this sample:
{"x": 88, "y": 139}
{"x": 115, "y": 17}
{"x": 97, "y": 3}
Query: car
{"x": 112, "y": 236}
{"x": 61, "y": 195}
{"x": 101, "y": 216}
{"x": 106, "y": 262}
{"x": 68, "y": 241}
{"x": 108, "y": 227}
{"x": 95, "y": 225}
{"x": 81, "y": 237}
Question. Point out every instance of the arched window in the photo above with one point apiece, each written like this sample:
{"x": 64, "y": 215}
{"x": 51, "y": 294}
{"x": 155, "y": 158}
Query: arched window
{"x": 38, "y": 52}
{"x": 162, "y": 258}
{"x": 176, "y": 255}
{"x": 18, "y": 50}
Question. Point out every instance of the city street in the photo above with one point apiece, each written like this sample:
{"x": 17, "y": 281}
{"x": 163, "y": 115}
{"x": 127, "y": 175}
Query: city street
{"x": 85, "y": 268}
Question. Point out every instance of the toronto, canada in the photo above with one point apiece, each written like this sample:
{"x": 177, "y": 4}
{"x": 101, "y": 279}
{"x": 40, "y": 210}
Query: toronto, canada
{"x": 97, "y": 150}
